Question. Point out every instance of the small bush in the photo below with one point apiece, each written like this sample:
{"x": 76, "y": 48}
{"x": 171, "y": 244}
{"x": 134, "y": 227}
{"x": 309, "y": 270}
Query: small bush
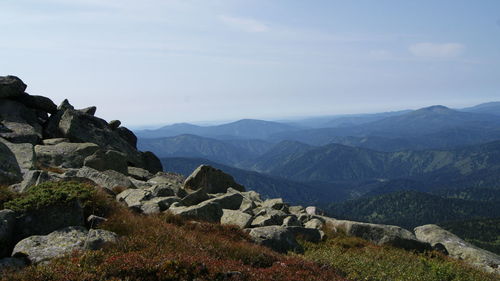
{"x": 6, "y": 195}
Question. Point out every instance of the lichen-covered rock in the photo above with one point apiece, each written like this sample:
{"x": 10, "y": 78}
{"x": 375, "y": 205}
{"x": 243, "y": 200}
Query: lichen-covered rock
{"x": 269, "y": 217}
{"x": 58, "y": 243}
{"x": 234, "y": 217}
{"x": 108, "y": 179}
{"x": 458, "y": 248}
{"x": 205, "y": 211}
{"x": 314, "y": 224}
{"x": 195, "y": 198}
{"x": 278, "y": 238}
{"x": 211, "y": 180}
{"x": 150, "y": 162}
{"x": 230, "y": 201}
{"x": 103, "y": 160}
{"x": 139, "y": 173}
{"x": 162, "y": 190}
{"x": 54, "y": 141}
{"x": 7, "y": 221}
{"x": 128, "y": 136}
{"x": 34, "y": 177}
{"x": 65, "y": 155}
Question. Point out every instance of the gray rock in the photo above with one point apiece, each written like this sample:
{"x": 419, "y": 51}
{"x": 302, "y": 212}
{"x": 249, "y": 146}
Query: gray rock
{"x": 20, "y": 124}
{"x": 54, "y": 141}
{"x": 269, "y": 217}
{"x": 458, "y": 248}
{"x": 24, "y": 153}
{"x": 150, "y": 162}
{"x": 139, "y": 173}
{"x": 276, "y": 204}
{"x": 247, "y": 206}
{"x": 380, "y": 234}
{"x": 307, "y": 234}
{"x": 134, "y": 197}
{"x": 58, "y": 243}
{"x": 128, "y": 136}
{"x": 211, "y": 180}
{"x": 278, "y": 238}
{"x": 32, "y": 178}
{"x": 37, "y": 102}
{"x": 238, "y": 218}
{"x": 108, "y": 179}
{"x": 65, "y": 155}
{"x": 10, "y": 172}
{"x": 230, "y": 201}
{"x": 103, "y": 160}
{"x": 114, "y": 124}
{"x": 150, "y": 208}
{"x": 195, "y": 198}
{"x": 139, "y": 183}
{"x": 89, "y": 110}
{"x": 11, "y": 86}
{"x": 163, "y": 202}
{"x": 7, "y": 223}
{"x": 49, "y": 218}
{"x": 205, "y": 211}
{"x": 296, "y": 210}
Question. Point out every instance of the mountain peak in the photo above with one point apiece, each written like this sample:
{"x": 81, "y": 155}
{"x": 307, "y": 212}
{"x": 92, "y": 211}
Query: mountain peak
{"x": 436, "y": 108}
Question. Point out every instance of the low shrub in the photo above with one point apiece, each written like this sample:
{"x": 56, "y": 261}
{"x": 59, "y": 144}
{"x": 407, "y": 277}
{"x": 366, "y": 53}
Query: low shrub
{"x": 6, "y": 195}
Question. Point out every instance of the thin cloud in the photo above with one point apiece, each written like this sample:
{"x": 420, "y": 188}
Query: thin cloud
{"x": 436, "y": 50}
{"x": 245, "y": 24}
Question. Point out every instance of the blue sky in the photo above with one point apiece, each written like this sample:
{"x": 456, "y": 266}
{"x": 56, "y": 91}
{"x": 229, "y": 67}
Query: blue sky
{"x": 160, "y": 61}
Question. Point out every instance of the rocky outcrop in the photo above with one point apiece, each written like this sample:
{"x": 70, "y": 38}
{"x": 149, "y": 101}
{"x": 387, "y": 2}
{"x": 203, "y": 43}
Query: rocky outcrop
{"x": 11, "y": 86}
{"x": 211, "y": 180}
{"x": 65, "y": 154}
{"x": 380, "y": 234}
{"x": 10, "y": 172}
{"x": 64, "y": 241}
{"x": 458, "y": 248}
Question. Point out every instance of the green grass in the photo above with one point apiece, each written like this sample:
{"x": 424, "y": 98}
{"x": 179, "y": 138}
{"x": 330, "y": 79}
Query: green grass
{"x": 358, "y": 259}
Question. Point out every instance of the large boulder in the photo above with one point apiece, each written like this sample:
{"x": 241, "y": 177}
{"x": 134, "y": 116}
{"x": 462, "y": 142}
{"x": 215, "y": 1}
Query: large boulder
{"x": 35, "y": 177}
{"x": 103, "y": 160}
{"x": 65, "y": 155}
{"x": 108, "y": 179}
{"x": 19, "y": 123}
{"x": 37, "y": 102}
{"x": 278, "y": 238}
{"x": 49, "y": 218}
{"x": 134, "y": 198}
{"x": 212, "y": 180}
{"x": 11, "y": 86}
{"x": 380, "y": 234}
{"x": 24, "y": 153}
{"x": 307, "y": 234}
{"x": 205, "y": 211}
{"x": 7, "y": 222}
{"x": 128, "y": 136}
{"x": 269, "y": 217}
{"x": 458, "y": 248}
{"x": 150, "y": 162}
{"x": 61, "y": 242}
{"x": 234, "y": 217}
{"x": 230, "y": 201}
{"x": 195, "y": 197}
{"x": 80, "y": 127}
{"x": 139, "y": 173}
{"x": 10, "y": 171}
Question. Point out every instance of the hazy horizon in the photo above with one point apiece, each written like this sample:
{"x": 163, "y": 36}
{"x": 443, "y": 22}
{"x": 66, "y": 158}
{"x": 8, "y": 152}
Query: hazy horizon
{"x": 164, "y": 62}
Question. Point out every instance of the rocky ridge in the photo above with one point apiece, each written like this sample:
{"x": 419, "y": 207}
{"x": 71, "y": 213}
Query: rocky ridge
{"x": 41, "y": 142}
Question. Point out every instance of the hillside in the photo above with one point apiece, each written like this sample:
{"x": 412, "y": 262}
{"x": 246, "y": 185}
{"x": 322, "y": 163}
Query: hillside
{"x": 485, "y": 108}
{"x": 410, "y": 209}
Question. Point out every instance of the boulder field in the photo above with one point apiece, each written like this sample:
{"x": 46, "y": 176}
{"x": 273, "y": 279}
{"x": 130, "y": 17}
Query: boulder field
{"x": 42, "y": 142}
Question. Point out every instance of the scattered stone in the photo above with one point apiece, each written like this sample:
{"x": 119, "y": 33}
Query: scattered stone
{"x": 458, "y": 248}
{"x": 278, "y": 238}
{"x": 211, "y": 180}
{"x": 314, "y": 224}
{"x": 276, "y": 204}
{"x": 58, "y": 243}
{"x": 307, "y": 234}
{"x": 269, "y": 217}
{"x": 162, "y": 190}
{"x": 238, "y": 218}
{"x": 134, "y": 197}
{"x": 230, "y": 201}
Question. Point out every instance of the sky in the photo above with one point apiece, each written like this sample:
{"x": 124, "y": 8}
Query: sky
{"x": 154, "y": 62}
